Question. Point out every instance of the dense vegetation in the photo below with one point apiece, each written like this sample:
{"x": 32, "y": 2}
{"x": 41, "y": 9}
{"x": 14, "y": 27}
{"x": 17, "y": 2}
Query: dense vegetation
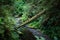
{"x": 41, "y": 15}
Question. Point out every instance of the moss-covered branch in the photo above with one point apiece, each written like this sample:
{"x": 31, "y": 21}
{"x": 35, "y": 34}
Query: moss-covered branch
{"x": 31, "y": 19}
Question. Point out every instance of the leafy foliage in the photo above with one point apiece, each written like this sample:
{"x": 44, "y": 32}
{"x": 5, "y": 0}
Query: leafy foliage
{"x": 48, "y": 23}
